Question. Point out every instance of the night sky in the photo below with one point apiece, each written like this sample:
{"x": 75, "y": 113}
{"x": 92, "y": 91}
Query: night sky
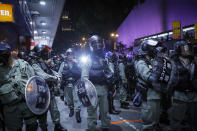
{"x": 90, "y": 17}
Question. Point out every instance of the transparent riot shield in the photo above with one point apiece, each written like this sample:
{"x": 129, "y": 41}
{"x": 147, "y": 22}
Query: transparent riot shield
{"x": 86, "y": 92}
{"x": 37, "y": 95}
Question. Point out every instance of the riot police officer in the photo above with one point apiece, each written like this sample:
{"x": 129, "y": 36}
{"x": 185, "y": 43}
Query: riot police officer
{"x": 70, "y": 73}
{"x": 184, "y": 98}
{"x": 148, "y": 83}
{"x": 41, "y": 69}
{"x": 96, "y": 71}
{"x": 113, "y": 62}
{"x": 13, "y": 77}
{"x": 131, "y": 77}
{"x": 123, "y": 84}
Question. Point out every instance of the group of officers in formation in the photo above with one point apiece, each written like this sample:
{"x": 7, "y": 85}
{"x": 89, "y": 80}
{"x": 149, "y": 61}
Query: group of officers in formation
{"x": 156, "y": 79}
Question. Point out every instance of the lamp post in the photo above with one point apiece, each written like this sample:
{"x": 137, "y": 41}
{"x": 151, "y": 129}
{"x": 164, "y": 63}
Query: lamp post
{"x": 114, "y": 36}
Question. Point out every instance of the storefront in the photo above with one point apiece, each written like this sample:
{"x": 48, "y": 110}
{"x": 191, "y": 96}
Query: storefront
{"x": 15, "y": 24}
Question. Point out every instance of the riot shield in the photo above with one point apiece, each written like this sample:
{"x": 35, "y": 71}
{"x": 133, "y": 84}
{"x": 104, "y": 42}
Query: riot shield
{"x": 86, "y": 92}
{"x": 37, "y": 95}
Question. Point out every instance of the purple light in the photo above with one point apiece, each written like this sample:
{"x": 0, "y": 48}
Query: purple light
{"x": 155, "y": 16}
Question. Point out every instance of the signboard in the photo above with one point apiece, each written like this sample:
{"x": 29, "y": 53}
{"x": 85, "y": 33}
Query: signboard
{"x": 6, "y": 13}
{"x": 176, "y": 27}
{"x": 195, "y": 29}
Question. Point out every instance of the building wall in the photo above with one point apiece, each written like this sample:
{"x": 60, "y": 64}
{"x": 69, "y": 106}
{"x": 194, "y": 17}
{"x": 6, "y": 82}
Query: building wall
{"x": 9, "y": 35}
{"x": 156, "y": 16}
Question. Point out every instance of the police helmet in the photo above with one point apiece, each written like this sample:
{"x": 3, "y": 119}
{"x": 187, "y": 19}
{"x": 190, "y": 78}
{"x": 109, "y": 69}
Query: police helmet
{"x": 183, "y": 48}
{"x": 5, "y": 53}
{"x": 151, "y": 47}
{"x": 69, "y": 51}
{"x": 22, "y": 54}
{"x": 41, "y": 51}
{"x": 96, "y": 44}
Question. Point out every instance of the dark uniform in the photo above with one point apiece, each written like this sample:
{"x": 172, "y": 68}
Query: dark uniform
{"x": 12, "y": 86}
{"x": 70, "y": 73}
{"x": 95, "y": 72}
{"x": 51, "y": 77}
{"x": 185, "y": 91}
{"x": 149, "y": 84}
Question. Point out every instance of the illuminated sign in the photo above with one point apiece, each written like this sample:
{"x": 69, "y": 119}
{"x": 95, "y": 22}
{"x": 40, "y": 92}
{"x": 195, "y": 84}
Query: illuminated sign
{"x": 6, "y": 13}
{"x": 176, "y": 27}
{"x": 195, "y": 25}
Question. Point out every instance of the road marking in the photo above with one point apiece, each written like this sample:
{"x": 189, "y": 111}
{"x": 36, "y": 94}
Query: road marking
{"x": 124, "y": 121}
{"x": 127, "y": 122}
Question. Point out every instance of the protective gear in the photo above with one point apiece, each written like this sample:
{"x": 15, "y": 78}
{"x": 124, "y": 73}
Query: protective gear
{"x": 41, "y": 51}
{"x": 58, "y": 127}
{"x": 50, "y": 78}
{"x": 86, "y": 92}
{"x": 12, "y": 86}
{"x": 69, "y": 51}
{"x": 22, "y": 54}
{"x": 102, "y": 92}
{"x": 102, "y": 71}
{"x": 96, "y": 45}
{"x": 160, "y": 77}
{"x": 71, "y": 112}
{"x": 111, "y": 104}
{"x": 78, "y": 117}
{"x": 70, "y": 73}
{"x": 184, "y": 94}
{"x": 122, "y": 58}
{"x": 111, "y": 57}
{"x": 5, "y": 52}
{"x": 37, "y": 95}
{"x": 151, "y": 98}
{"x": 183, "y": 48}
{"x": 137, "y": 100}
{"x": 151, "y": 47}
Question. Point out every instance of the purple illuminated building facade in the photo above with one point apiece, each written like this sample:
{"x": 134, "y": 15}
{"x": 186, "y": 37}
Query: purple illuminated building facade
{"x": 156, "y": 16}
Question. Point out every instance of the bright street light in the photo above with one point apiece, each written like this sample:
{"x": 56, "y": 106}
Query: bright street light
{"x": 42, "y": 2}
{"x": 35, "y": 32}
{"x": 112, "y": 34}
{"x": 83, "y": 38}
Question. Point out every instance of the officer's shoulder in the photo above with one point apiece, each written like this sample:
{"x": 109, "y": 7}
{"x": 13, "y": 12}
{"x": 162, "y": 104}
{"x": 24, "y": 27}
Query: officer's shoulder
{"x": 139, "y": 62}
{"x": 21, "y": 63}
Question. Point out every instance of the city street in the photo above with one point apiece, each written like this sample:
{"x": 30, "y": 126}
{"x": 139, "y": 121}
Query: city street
{"x": 127, "y": 120}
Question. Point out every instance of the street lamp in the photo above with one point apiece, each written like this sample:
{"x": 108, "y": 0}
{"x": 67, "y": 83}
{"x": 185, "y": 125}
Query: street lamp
{"x": 114, "y": 36}
{"x": 83, "y": 38}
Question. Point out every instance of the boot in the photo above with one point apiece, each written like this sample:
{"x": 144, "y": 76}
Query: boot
{"x": 124, "y": 105}
{"x": 113, "y": 112}
{"x": 113, "y": 108}
{"x": 110, "y": 103}
{"x": 58, "y": 127}
{"x": 71, "y": 112}
{"x": 78, "y": 117}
